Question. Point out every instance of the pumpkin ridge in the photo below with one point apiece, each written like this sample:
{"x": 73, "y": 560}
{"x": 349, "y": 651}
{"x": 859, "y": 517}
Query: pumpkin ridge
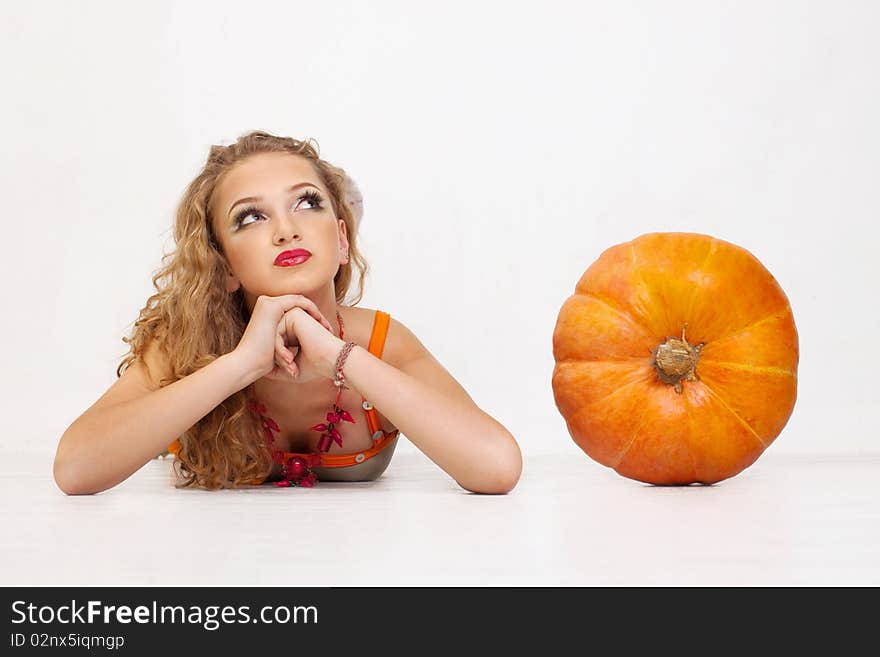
{"x": 619, "y": 311}
{"x": 713, "y": 248}
{"x": 664, "y": 302}
{"x": 763, "y": 369}
{"x": 639, "y": 359}
{"x": 735, "y": 414}
{"x": 749, "y": 327}
{"x": 591, "y": 408}
{"x": 690, "y": 432}
{"x": 632, "y": 442}
{"x": 614, "y": 392}
{"x": 638, "y": 272}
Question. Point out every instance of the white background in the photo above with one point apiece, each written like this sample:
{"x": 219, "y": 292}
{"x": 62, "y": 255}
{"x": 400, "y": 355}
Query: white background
{"x": 500, "y": 148}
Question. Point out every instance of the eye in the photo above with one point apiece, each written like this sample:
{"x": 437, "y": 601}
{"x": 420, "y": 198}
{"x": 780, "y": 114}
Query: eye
{"x": 312, "y": 198}
{"x": 244, "y": 213}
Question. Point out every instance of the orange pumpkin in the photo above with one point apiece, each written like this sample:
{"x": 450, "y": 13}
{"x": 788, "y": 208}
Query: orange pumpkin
{"x": 676, "y": 359}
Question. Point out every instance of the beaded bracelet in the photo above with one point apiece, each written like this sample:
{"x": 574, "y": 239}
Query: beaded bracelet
{"x": 329, "y": 433}
{"x": 339, "y": 380}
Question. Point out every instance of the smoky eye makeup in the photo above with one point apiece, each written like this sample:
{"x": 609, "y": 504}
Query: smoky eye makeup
{"x": 310, "y": 196}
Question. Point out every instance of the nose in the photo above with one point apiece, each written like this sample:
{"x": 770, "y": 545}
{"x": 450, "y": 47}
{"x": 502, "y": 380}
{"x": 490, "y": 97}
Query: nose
{"x": 286, "y": 230}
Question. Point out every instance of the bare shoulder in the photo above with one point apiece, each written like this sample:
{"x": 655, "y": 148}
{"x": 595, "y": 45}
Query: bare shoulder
{"x": 157, "y": 363}
{"x": 145, "y": 374}
{"x": 401, "y": 344}
{"x": 406, "y": 352}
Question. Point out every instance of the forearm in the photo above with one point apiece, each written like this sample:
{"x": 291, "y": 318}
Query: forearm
{"x": 103, "y": 448}
{"x": 467, "y": 443}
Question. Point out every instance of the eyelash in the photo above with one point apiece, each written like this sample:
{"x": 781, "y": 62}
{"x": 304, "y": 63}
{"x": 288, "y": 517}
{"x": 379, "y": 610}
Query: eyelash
{"x": 311, "y": 196}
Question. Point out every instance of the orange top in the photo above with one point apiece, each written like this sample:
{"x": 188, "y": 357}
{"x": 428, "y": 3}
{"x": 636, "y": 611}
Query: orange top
{"x": 381, "y": 439}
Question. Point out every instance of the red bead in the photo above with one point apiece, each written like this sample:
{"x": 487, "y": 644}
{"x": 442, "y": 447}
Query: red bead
{"x": 298, "y": 468}
{"x": 324, "y": 443}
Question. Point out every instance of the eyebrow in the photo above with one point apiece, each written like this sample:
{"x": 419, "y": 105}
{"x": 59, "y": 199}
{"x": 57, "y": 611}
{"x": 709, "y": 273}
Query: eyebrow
{"x": 249, "y": 199}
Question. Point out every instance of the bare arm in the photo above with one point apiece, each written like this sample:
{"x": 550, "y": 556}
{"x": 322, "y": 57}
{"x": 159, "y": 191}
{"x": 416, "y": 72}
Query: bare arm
{"x": 417, "y": 394}
{"x": 135, "y": 420}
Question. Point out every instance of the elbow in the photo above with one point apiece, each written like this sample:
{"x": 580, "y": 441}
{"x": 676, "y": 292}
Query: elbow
{"x": 65, "y": 482}
{"x": 504, "y": 473}
{"x": 506, "y": 478}
{"x": 498, "y": 485}
{"x": 67, "y": 479}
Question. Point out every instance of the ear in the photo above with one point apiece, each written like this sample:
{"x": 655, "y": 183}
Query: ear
{"x": 343, "y": 242}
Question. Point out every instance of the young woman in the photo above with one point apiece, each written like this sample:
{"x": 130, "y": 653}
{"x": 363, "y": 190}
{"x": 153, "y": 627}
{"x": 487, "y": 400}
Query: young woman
{"x": 247, "y": 355}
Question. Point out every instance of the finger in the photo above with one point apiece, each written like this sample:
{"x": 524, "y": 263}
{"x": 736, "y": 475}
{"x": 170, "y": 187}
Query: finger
{"x": 290, "y": 369}
{"x": 289, "y": 372}
{"x": 281, "y": 351}
{"x": 285, "y": 331}
{"x": 283, "y": 355}
{"x": 279, "y": 372}
{"x": 312, "y": 309}
{"x": 318, "y": 315}
{"x": 284, "y": 369}
{"x": 295, "y": 365}
{"x": 291, "y": 301}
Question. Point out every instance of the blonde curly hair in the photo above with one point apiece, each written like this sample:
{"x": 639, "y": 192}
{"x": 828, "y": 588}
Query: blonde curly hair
{"x": 196, "y": 320}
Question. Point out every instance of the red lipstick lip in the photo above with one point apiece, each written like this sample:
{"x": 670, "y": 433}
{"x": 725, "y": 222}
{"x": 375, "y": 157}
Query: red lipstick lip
{"x": 294, "y": 257}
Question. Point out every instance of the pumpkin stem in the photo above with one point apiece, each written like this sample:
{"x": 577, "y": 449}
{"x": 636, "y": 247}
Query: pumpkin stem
{"x": 676, "y": 361}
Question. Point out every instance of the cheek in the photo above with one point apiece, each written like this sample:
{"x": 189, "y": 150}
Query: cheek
{"x": 242, "y": 255}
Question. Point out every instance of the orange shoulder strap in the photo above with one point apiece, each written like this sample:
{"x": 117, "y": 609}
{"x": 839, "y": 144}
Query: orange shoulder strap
{"x": 381, "y": 321}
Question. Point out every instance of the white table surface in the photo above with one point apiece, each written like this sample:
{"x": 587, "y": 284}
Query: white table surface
{"x": 787, "y": 520}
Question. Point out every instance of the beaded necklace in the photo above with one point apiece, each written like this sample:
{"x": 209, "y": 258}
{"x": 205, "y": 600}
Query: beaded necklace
{"x": 297, "y": 470}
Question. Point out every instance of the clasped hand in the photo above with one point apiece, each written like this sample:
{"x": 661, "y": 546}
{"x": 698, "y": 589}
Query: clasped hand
{"x": 308, "y": 347}
{"x": 288, "y": 339}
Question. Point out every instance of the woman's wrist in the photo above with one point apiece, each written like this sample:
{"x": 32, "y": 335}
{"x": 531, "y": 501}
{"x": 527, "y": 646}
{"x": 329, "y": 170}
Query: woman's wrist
{"x": 339, "y": 367}
{"x": 241, "y": 368}
{"x": 332, "y": 355}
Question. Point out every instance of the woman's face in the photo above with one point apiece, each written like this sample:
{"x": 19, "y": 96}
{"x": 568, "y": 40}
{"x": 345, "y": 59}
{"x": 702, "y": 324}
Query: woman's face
{"x": 268, "y": 204}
